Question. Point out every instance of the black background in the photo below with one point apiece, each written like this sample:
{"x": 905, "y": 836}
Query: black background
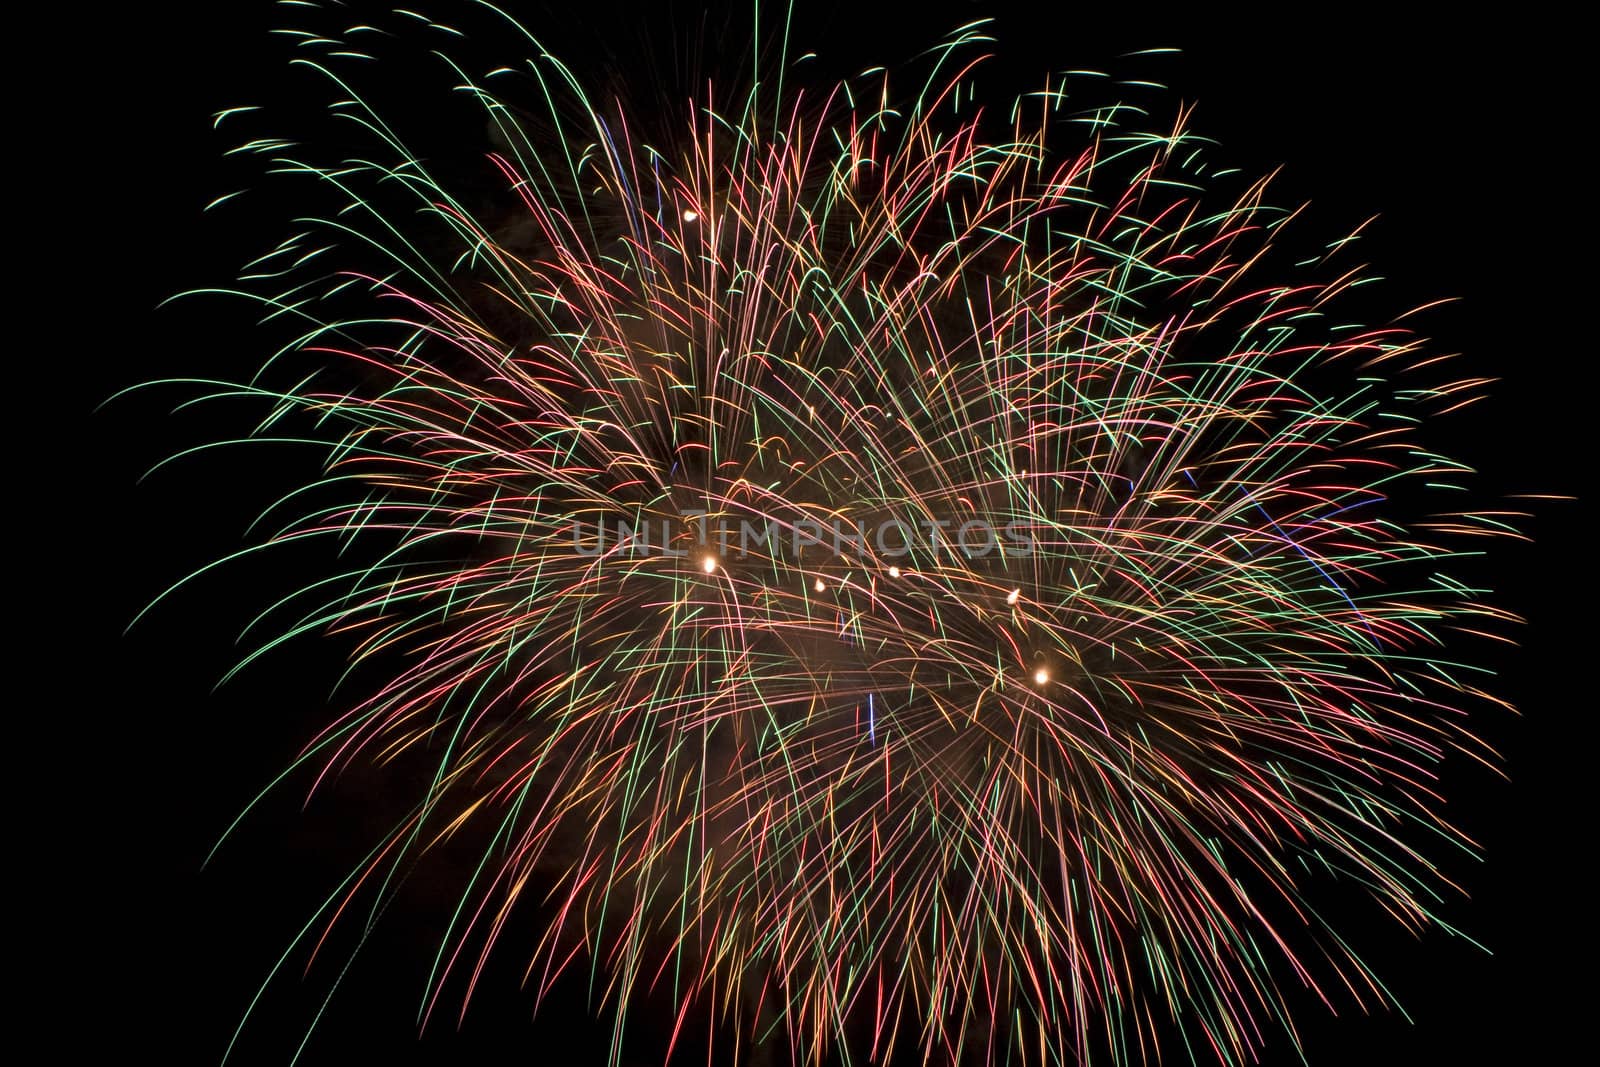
{"x": 1467, "y": 135}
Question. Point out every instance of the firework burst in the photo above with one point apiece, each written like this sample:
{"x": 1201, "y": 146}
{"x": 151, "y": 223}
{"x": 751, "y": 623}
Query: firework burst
{"x": 903, "y": 576}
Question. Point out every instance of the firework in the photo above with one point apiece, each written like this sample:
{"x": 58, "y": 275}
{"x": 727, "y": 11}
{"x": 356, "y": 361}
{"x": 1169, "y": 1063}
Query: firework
{"x": 898, "y": 575}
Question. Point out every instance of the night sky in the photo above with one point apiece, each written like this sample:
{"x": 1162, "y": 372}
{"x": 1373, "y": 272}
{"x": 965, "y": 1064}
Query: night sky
{"x": 1464, "y": 136}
